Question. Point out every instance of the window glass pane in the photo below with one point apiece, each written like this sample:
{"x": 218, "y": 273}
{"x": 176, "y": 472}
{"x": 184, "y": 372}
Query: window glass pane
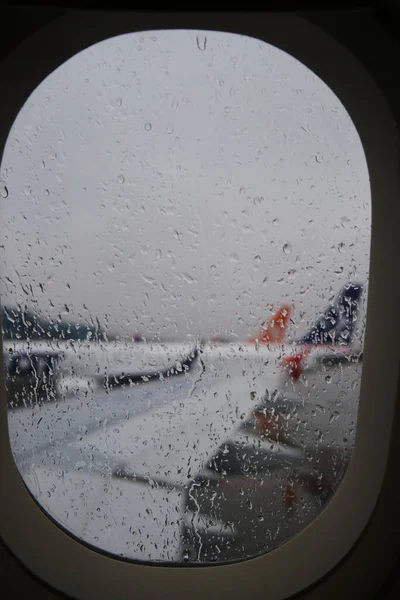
{"x": 185, "y": 230}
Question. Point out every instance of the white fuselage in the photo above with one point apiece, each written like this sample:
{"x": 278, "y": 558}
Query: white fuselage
{"x": 84, "y": 364}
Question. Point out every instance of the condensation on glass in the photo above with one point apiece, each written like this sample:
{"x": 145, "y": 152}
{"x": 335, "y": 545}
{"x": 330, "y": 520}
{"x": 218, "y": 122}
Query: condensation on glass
{"x": 185, "y": 229}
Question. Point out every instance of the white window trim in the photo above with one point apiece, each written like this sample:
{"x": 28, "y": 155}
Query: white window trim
{"x": 82, "y": 573}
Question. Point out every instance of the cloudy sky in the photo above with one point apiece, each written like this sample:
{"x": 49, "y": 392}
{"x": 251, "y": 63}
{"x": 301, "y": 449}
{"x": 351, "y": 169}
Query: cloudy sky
{"x": 177, "y": 182}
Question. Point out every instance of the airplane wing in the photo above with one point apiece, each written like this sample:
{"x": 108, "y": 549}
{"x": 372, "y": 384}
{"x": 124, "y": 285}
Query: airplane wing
{"x": 131, "y": 450}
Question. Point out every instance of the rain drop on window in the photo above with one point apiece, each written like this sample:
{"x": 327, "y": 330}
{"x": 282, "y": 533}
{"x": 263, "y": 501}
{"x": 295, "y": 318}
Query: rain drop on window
{"x": 3, "y": 190}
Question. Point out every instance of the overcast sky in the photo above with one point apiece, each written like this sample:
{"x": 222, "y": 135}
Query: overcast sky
{"x": 177, "y": 182}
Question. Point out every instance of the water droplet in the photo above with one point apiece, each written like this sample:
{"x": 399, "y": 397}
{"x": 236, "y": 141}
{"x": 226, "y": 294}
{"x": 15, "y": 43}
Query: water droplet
{"x": 47, "y": 193}
{"x": 319, "y": 158}
{"x": 147, "y": 126}
{"x": 227, "y": 109}
{"x": 257, "y": 200}
{"x": 186, "y": 557}
{"x": 344, "y": 221}
{"x": 3, "y": 190}
{"x": 341, "y": 247}
{"x": 242, "y": 190}
{"x": 201, "y": 41}
{"x": 287, "y": 248}
{"x": 158, "y": 254}
{"x": 118, "y": 102}
{"x": 257, "y": 259}
{"x": 275, "y": 222}
{"x": 260, "y": 518}
{"x": 170, "y": 129}
{"x": 328, "y": 379}
{"x": 121, "y": 178}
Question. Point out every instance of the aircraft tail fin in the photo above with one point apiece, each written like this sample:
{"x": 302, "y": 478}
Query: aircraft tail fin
{"x": 337, "y": 324}
{"x": 274, "y": 331}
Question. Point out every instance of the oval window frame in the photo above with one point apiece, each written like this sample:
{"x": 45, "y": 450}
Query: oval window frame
{"x": 99, "y": 576}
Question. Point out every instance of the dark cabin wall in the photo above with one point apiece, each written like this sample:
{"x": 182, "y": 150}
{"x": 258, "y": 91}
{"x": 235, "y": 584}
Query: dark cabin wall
{"x": 371, "y": 36}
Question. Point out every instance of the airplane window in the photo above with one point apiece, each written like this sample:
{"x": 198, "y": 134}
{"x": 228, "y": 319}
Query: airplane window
{"x": 185, "y": 226}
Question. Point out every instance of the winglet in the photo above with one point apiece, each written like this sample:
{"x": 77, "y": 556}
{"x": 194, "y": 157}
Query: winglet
{"x": 274, "y": 332}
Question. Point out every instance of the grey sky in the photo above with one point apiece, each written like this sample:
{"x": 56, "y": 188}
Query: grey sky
{"x": 156, "y": 178}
